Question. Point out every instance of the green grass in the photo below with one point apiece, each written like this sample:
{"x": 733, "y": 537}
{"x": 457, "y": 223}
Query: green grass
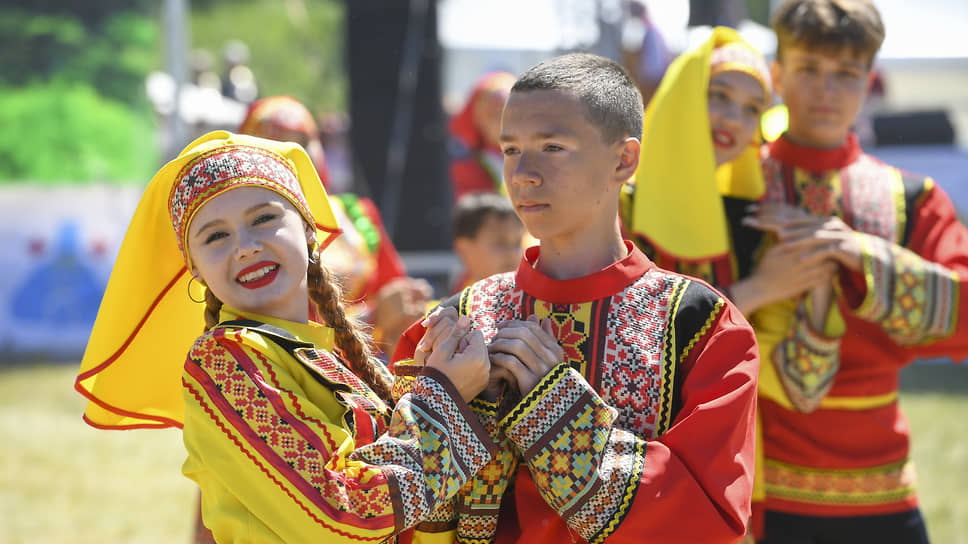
{"x": 935, "y": 399}
{"x": 62, "y": 481}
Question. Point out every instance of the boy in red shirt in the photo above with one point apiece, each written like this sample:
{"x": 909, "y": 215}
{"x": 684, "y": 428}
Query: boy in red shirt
{"x": 628, "y": 391}
{"x": 836, "y": 443}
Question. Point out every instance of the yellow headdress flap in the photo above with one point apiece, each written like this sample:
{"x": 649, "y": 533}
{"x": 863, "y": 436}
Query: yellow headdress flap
{"x": 677, "y": 204}
{"x": 131, "y": 370}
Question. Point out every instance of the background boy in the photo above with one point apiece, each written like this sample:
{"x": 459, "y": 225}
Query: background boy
{"x": 637, "y": 383}
{"x": 841, "y": 472}
{"x": 487, "y": 236}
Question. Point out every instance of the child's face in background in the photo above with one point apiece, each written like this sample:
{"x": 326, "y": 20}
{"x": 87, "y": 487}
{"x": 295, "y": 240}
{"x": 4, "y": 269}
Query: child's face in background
{"x": 823, "y": 93}
{"x": 249, "y": 246}
{"x": 736, "y": 102}
{"x": 496, "y": 247}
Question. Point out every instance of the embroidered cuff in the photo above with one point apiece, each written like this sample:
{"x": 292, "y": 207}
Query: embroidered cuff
{"x": 913, "y": 299}
{"x": 458, "y": 413}
{"x": 404, "y": 374}
{"x": 807, "y": 360}
{"x": 561, "y": 428}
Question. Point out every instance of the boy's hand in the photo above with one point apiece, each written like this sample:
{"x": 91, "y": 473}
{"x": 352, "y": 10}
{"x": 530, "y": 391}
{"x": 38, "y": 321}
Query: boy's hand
{"x": 527, "y": 350}
{"x": 462, "y": 356}
{"x": 495, "y": 384}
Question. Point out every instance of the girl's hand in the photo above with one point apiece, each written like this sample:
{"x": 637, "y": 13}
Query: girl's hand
{"x": 462, "y": 357}
{"x": 437, "y": 326}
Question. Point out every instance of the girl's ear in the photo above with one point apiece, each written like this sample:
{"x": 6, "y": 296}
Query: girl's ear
{"x": 776, "y": 74}
{"x": 310, "y": 235}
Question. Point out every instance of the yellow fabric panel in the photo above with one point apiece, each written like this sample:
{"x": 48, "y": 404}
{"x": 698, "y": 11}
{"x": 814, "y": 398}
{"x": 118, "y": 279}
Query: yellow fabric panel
{"x": 677, "y": 203}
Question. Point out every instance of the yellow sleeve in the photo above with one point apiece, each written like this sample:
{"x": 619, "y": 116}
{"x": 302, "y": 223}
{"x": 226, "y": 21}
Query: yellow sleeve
{"x": 281, "y": 456}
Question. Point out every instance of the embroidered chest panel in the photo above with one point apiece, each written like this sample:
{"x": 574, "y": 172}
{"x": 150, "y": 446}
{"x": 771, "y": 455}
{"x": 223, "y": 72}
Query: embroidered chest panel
{"x": 868, "y": 195}
{"x": 624, "y": 345}
{"x": 367, "y": 415}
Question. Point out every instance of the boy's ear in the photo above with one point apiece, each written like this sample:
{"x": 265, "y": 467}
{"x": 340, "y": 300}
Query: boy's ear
{"x": 776, "y": 74}
{"x": 462, "y": 247}
{"x": 628, "y": 159}
{"x": 870, "y": 81}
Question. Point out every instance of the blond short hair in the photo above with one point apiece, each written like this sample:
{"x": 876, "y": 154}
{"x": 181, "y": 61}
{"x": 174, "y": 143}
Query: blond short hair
{"x": 829, "y": 26}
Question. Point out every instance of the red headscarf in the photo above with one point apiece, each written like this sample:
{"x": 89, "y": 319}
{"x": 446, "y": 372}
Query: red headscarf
{"x": 462, "y": 125}
{"x": 267, "y": 116}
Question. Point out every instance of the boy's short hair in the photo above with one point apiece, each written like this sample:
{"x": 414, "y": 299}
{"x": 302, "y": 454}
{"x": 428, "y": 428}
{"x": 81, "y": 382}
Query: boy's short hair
{"x": 608, "y": 91}
{"x": 829, "y": 25}
{"x": 473, "y": 209}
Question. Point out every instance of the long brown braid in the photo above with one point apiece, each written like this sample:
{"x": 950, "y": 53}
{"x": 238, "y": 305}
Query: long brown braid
{"x": 212, "y": 307}
{"x": 352, "y": 341}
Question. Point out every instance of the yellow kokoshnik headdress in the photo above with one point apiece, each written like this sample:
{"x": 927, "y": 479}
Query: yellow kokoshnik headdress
{"x": 131, "y": 370}
{"x": 678, "y": 188}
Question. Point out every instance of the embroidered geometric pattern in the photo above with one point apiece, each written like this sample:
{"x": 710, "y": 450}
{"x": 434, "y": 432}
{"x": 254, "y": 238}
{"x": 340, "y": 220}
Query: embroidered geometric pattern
{"x": 634, "y": 370}
{"x": 913, "y": 299}
{"x": 449, "y": 451}
{"x": 806, "y": 362}
{"x": 871, "y": 205}
{"x": 819, "y": 195}
{"x": 567, "y": 459}
{"x": 625, "y": 346}
{"x": 246, "y": 394}
{"x": 542, "y": 407}
{"x": 481, "y": 495}
{"x": 569, "y": 323}
{"x": 499, "y": 295}
{"x": 367, "y": 415}
{"x": 857, "y": 194}
{"x": 230, "y": 166}
{"x": 405, "y": 372}
{"x": 852, "y": 487}
{"x": 605, "y": 510}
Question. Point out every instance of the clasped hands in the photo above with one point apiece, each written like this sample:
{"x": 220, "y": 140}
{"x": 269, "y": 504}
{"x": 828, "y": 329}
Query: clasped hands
{"x": 520, "y": 354}
{"x": 808, "y": 251}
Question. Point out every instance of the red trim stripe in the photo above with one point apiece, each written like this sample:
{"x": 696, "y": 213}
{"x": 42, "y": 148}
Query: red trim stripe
{"x": 272, "y": 456}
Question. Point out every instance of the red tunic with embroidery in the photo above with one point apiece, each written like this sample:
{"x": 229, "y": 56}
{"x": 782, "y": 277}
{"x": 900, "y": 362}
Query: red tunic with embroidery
{"x": 850, "y": 457}
{"x": 647, "y": 423}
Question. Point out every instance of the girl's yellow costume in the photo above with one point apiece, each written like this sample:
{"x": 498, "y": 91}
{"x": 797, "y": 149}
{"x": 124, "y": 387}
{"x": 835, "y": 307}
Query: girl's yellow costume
{"x": 286, "y": 443}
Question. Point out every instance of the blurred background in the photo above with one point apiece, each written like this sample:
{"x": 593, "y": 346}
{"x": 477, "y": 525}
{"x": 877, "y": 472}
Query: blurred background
{"x": 96, "y": 96}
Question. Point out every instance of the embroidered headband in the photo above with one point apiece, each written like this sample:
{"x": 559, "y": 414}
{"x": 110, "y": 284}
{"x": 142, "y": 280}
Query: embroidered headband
{"x": 223, "y": 168}
{"x": 738, "y": 57}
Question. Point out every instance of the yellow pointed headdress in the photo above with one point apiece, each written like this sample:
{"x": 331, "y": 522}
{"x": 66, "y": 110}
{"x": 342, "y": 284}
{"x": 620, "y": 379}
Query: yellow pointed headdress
{"x": 131, "y": 370}
{"x": 678, "y": 188}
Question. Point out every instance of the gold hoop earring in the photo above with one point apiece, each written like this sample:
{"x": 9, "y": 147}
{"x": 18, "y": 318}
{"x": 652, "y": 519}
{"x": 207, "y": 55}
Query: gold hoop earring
{"x": 190, "y": 297}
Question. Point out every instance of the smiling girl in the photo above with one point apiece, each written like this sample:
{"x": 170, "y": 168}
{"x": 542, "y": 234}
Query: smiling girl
{"x": 286, "y": 421}
{"x": 699, "y": 164}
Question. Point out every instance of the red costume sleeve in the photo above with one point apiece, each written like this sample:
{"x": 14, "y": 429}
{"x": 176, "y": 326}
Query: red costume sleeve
{"x": 611, "y": 483}
{"x": 917, "y": 294}
{"x": 389, "y": 265}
